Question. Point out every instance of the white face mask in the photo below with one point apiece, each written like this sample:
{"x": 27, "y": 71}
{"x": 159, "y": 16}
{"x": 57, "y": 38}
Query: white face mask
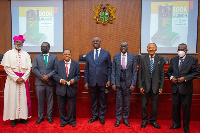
{"x": 181, "y": 53}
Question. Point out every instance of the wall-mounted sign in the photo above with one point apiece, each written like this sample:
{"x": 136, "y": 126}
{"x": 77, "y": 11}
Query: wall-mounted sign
{"x": 104, "y": 14}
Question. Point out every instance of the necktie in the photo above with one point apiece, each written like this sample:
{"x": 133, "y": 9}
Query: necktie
{"x": 180, "y": 64}
{"x": 123, "y": 62}
{"x": 151, "y": 65}
{"x": 66, "y": 66}
{"x": 96, "y": 57}
{"x": 45, "y": 59}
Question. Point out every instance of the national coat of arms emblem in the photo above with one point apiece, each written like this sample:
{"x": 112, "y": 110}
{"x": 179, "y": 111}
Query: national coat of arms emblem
{"x": 104, "y": 14}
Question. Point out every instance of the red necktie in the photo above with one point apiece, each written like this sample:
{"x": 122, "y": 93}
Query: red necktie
{"x": 66, "y": 66}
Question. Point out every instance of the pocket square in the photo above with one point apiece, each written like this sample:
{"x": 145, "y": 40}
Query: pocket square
{"x": 158, "y": 62}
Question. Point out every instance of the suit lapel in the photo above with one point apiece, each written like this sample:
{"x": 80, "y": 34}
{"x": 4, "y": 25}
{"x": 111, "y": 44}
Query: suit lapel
{"x": 100, "y": 56}
{"x": 92, "y": 57}
{"x": 128, "y": 60}
{"x": 71, "y": 68}
{"x": 155, "y": 62}
{"x": 49, "y": 60}
{"x": 184, "y": 63}
{"x": 42, "y": 60}
{"x": 147, "y": 60}
{"x": 63, "y": 67}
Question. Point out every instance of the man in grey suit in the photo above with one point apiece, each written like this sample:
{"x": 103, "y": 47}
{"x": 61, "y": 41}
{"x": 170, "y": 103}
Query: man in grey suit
{"x": 97, "y": 78}
{"x": 43, "y": 68}
{"x": 123, "y": 80}
{"x": 151, "y": 84}
{"x": 182, "y": 70}
{"x": 67, "y": 74}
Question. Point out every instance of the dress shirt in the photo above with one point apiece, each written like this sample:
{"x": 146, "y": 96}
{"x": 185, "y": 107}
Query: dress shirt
{"x": 47, "y": 56}
{"x": 99, "y": 50}
{"x": 125, "y": 58}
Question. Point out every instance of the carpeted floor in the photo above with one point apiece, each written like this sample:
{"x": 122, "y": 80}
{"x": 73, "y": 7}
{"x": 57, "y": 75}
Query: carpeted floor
{"x": 83, "y": 126}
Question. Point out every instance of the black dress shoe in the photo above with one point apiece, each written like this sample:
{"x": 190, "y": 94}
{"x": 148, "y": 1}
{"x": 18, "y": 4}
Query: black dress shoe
{"x": 50, "y": 120}
{"x": 73, "y": 124}
{"x": 155, "y": 125}
{"x": 92, "y": 120}
{"x": 39, "y": 121}
{"x": 102, "y": 121}
{"x": 174, "y": 127}
{"x": 117, "y": 123}
{"x": 144, "y": 124}
{"x": 186, "y": 131}
{"x": 23, "y": 121}
{"x": 126, "y": 122}
{"x": 14, "y": 123}
{"x": 62, "y": 125}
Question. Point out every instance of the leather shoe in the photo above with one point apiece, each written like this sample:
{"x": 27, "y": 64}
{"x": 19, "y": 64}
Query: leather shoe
{"x": 39, "y": 121}
{"x": 92, "y": 120}
{"x": 14, "y": 123}
{"x": 50, "y": 120}
{"x": 73, "y": 124}
{"x": 117, "y": 123}
{"x": 62, "y": 125}
{"x": 174, "y": 127}
{"x": 186, "y": 131}
{"x": 144, "y": 124}
{"x": 155, "y": 125}
{"x": 23, "y": 121}
{"x": 126, "y": 122}
{"x": 102, "y": 121}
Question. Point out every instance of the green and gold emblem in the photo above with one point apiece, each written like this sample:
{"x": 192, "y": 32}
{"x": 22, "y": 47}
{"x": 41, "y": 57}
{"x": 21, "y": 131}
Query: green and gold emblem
{"x": 104, "y": 14}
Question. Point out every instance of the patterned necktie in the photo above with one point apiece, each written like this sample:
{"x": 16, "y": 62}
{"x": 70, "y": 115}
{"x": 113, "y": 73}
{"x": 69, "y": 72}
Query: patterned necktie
{"x": 180, "y": 64}
{"x": 96, "y": 57}
{"x": 151, "y": 65}
{"x": 123, "y": 62}
{"x": 66, "y": 66}
{"x": 45, "y": 59}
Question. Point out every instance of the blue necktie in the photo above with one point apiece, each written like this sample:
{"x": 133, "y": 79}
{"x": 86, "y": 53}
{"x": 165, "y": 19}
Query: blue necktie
{"x": 151, "y": 65}
{"x": 96, "y": 57}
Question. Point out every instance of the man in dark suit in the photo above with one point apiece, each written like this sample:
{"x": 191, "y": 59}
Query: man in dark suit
{"x": 67, "y": 74}
{"x": 43, "y": 68}
{"x": 1, "y": 57}
{"x": 182, "y": 70}
{"x": 123, "y": 80}
{"x": 97, "y": 78}
{"x": 151, "y": 84}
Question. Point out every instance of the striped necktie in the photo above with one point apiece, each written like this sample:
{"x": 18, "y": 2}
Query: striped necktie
{"x": 151, "y": 66}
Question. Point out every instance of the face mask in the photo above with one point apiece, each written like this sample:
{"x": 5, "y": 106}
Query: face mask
{"x": 44, "y": 50}
{"x": 181, "y": 53}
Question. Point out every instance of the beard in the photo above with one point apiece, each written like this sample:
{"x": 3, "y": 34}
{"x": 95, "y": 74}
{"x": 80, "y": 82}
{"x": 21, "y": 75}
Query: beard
{"x": 18, "y": 47}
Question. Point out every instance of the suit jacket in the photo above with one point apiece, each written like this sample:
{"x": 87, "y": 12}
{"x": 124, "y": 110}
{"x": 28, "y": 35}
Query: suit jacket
{"x": 131, "y": 70}
{"x": 60, "y": 73}
{"x": 39, "y": 68}
{"x": 1, "y": 57}
{"x": 144, "y": 74}
{"x": 100, "y": 73}
{"x": 189, "y": 70}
